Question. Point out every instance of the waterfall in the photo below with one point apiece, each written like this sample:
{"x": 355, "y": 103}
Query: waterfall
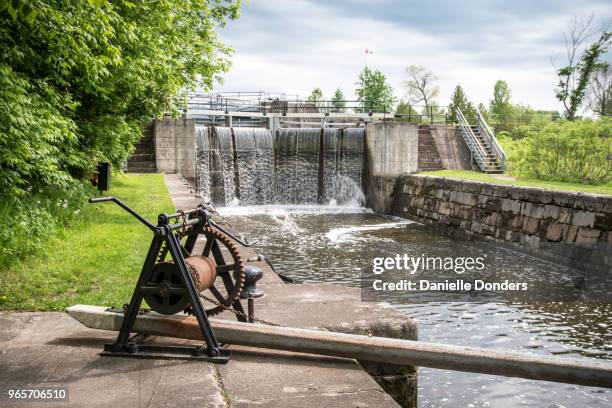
{"x": 203, "y": 162}
{"x": 294, "y": 166}
{"x": 254, "y": 158}
{"x": 297, "y": 165}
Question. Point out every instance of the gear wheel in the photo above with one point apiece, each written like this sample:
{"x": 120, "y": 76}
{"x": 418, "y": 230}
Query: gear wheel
{"x": 231, "y": 274}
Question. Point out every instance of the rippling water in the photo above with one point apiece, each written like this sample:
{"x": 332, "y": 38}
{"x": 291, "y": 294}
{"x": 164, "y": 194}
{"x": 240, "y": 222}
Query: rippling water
{"x": 333, "y": 244}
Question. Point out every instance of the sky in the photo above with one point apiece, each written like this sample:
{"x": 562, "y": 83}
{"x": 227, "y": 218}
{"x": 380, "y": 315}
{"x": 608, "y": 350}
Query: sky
{"x": 292, "y": 46}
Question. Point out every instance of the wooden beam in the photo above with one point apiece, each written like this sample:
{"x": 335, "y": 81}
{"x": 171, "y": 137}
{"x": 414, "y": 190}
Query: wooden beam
{"x": 590, "y": 372}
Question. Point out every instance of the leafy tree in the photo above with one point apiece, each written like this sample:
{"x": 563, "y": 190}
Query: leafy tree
{"x": 316, "y": 97}
{"x": 407, "y": 111}
{"x": 374, "y": 92}
{"x": 500, "y": 108}
{"x": 460, "y": 101}
{"x": 600, "y": 90}
{"x": 484, "y": 111}
{"x": 575, "y": 75}
{"x": 420, "y": 86}
{"x": 80, "y": 79}
{"x": 338, "y": 101}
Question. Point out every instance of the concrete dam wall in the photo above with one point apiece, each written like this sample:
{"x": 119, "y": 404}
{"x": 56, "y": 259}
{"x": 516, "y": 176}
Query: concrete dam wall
{"x": 304, "y": 165}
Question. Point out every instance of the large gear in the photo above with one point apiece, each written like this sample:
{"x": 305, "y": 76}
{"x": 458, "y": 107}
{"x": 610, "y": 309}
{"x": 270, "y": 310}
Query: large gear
{"x": 233, "y": 271}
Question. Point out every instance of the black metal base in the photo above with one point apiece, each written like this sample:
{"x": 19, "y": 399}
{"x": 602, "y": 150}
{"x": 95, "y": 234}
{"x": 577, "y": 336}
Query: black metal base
{"x": 166, "y": 352}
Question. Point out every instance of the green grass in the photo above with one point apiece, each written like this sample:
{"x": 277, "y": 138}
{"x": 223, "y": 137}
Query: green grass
{"x": 96, "y": 259}
{"x": 523, "y": 181}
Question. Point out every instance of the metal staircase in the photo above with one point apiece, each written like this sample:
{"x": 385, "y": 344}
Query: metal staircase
{"x": 484, "y": 147}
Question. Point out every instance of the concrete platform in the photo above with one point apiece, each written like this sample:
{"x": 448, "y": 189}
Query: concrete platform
{"x": 52, "y": 350}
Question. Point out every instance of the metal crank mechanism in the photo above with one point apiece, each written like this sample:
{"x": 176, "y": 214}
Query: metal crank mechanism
{"x": 175, "y": 277}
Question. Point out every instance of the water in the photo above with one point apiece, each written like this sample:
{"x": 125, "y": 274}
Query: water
{"x": 278, "y": 178}
{"x": 334, "y": 243}
{"x": 290, "y": 166}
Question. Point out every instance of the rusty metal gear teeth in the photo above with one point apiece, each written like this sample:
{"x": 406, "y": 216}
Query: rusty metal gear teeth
{"x": 237, "y": 260}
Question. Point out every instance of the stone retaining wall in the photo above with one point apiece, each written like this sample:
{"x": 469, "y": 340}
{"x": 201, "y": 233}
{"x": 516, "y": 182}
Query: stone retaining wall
{"x": 570, "y": 228}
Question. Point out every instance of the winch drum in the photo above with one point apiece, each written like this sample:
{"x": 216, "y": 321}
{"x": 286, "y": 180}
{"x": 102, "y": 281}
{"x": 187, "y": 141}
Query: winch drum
{"x": 167, "y": 295}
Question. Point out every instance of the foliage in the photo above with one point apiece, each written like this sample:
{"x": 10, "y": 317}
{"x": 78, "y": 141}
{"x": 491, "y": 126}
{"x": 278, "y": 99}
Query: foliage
{"x": 575, "y": 76}
{"x": 338, "y": 101}
{"x": 29, "y": 222}
{"x": 577, "y": 151}
{"x": 96, "y": 260}
{"x": 600, "y": 90}
{"x": 316, "y": 97}
{"x": 79, "y": 80}
{"x": 420, "y": 85}
{"x": 409, "y": 114}
{"x": 500, "y": 107}
{"x": 374, "y": 92}
{"x": 460, "y": 101}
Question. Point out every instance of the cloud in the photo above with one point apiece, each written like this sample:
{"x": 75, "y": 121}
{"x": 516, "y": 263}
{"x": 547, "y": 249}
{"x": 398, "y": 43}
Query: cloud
{"x": 294, "y": 46}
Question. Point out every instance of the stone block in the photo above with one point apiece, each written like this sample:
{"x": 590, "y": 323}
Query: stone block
{"x": 583, "y": 219}
{"x": 515, "y": 222}
{"x": 587, "y": 236}
{"x": 565, "y": 215}
{"x": 530, "y": 225}
{"x": 564, "y": 198}
{"x": 512, "y": 206}
{"x": 570, "y": 235}
{"x": 526, "y": 208}
{"x": 555, "y": 232}
{"x": 537, "y": 211}
{"x": 603, "y": 221}
{"x": 551, "y": 212}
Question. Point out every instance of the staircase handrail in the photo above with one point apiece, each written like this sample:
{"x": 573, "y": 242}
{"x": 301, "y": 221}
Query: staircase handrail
{"x": 473, "y": 143}
{"x": 482, "y": 123}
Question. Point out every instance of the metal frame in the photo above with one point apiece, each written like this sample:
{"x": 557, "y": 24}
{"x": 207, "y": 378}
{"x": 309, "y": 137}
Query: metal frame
{"x": 163, "y": 233}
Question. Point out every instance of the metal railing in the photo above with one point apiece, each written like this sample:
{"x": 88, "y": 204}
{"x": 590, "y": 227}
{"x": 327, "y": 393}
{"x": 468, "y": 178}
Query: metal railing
{"x": 485, "y": 130}
{"x": 477, "y": 150}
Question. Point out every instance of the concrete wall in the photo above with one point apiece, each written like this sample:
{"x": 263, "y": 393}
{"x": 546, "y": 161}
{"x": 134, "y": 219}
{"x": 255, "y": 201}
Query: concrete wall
{"x": 391, "y": 149}
{"x": 396, "y": 148}
{"x": 454, "y": 153}
{"x": 175, "y": 146}
{"x": 570, "y": 228}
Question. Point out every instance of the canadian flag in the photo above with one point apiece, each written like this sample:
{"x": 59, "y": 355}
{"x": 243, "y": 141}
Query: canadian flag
{"x": 369, "y": 51}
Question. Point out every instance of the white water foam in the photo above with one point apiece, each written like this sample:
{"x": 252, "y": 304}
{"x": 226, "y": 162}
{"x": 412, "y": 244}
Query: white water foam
{"x": 276, "y": 210}
{"x": 343, "y": 234}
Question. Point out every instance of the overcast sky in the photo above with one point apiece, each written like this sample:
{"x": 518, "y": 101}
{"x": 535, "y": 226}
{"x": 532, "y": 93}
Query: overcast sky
{"x": 293, "y": 46}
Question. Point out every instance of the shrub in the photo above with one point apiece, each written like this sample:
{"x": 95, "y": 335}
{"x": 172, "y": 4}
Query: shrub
{"x": 28, "y": 222}
{"x": 577, "y": 151}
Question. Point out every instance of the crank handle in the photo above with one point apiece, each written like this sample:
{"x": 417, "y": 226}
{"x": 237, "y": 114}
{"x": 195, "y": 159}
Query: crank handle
{"x": 126, "y": 208}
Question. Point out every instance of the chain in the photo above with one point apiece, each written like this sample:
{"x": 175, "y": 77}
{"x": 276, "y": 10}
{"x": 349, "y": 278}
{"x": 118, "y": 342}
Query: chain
{"x": 237, "y": 312}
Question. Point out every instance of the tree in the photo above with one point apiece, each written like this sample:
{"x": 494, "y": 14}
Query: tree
{"x": 460, "y": 101}
{"x": 420, "y": 85}
{"x": 575, "y": 75}
{"x": 600, "y": 90}
{"x": 316, "y": 97}
{"x": 374, "y": 92}
{"x": 338, "y": 101}
{"x": 407, "y": 112}
{"x": 80, "y": 79}
{"x": 484, "y": 111}
{"x": 500, "y": 108}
